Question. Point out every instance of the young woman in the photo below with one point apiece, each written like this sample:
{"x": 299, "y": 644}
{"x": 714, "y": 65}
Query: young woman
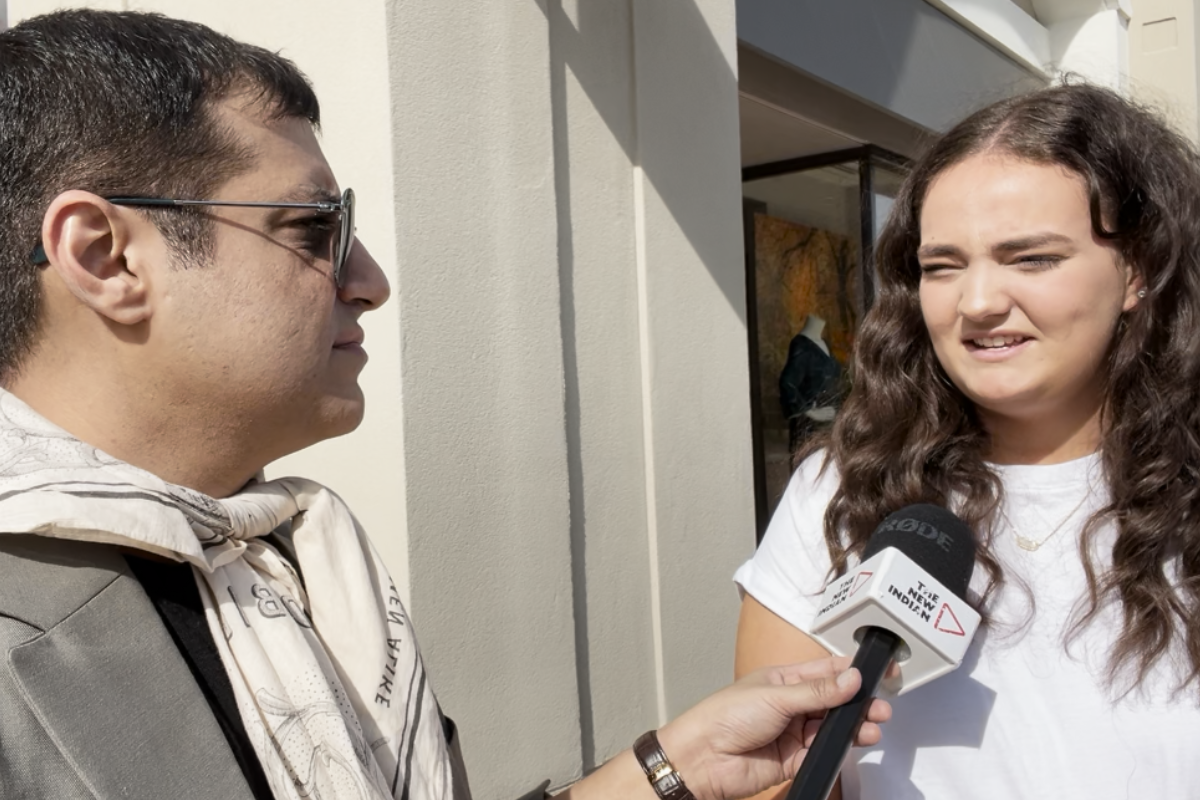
{"x": 1033, "y": 363}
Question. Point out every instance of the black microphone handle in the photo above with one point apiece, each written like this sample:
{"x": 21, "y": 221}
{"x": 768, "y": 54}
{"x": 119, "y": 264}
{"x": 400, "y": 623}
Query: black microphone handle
{"x": 820, "y": 768}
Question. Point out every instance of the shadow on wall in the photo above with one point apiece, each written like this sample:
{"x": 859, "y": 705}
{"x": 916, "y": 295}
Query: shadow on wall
{"x": 598, "y": 46}
{"x": 681, "y": 173}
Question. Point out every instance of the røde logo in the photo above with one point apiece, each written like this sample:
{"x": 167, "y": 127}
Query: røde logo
{"x": 923, "y": 529}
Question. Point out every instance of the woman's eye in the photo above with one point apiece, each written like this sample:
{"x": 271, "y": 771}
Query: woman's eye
{"x": 933, "y": 269}
{"x": 1038, "y": 262}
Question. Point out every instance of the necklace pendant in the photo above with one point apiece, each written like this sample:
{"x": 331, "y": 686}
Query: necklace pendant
{"x": 1027, "y": 544}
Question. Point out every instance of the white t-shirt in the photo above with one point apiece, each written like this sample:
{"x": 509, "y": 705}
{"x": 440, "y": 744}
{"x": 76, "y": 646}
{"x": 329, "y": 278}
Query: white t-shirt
{"x": 1022, "y": 717}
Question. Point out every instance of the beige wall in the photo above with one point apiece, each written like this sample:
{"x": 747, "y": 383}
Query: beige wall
{"x": 1163, "y": 66}
{"x": 556, "y": 456}
{"x": 574, "y": 367}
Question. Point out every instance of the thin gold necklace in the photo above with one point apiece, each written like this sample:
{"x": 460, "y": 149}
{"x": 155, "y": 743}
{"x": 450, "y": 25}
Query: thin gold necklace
{"x": 1032, "y": 545}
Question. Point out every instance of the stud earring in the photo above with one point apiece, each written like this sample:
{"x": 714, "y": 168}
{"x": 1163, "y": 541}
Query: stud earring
{"x": 1141, "y": 293}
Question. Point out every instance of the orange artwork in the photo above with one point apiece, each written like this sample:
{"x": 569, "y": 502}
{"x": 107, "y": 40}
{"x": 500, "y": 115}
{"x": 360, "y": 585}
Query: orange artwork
{"x": 800, "y": 271}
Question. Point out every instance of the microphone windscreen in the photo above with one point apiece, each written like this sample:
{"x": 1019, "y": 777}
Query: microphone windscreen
{"x": 935, "y": 539}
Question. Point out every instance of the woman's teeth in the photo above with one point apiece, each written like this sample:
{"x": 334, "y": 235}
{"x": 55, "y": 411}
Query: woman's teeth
{"x": 998, "y": 341}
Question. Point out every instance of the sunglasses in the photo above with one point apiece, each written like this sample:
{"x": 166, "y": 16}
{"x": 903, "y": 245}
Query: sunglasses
{"x": 340, "y": 242}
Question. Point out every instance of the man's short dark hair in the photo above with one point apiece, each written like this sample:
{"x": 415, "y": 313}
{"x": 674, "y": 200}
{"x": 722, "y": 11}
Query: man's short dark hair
{"x": 119, "y": 104}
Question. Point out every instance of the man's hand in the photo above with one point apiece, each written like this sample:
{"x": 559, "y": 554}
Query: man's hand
{"x": 754, "y": 734}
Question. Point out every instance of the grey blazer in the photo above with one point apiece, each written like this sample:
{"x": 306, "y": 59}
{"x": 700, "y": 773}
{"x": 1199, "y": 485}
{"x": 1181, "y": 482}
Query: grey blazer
{"x": 96, "y": 701}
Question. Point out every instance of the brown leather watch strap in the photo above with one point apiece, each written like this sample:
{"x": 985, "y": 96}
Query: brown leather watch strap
{"x": 668, "y": 784}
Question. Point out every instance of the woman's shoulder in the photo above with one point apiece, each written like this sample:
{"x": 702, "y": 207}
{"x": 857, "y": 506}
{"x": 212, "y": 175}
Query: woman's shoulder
{"x": 789, "y": 570}
{"x": 813, "y": 484}
{"x": 799, "y": 517}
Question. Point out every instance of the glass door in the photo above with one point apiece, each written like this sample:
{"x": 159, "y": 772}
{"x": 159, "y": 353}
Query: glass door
{"x": 808, "y": 223}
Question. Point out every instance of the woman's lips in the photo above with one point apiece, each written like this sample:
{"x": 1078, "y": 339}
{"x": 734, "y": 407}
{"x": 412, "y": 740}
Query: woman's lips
{"x": 996, "y": 348}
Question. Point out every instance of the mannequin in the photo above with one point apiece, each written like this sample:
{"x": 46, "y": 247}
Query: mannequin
{"x": 809, "y": 380}
{"x": 814, "y": 329}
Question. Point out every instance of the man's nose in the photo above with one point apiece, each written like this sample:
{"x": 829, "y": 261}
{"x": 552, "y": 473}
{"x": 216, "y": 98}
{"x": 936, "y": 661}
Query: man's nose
{"x": 365, "y": 283}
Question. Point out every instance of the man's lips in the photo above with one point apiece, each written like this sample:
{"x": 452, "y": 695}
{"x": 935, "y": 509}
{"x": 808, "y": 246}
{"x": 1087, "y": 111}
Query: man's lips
{"x": 350, "y": 339}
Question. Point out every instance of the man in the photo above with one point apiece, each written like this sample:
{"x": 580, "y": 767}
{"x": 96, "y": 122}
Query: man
{"x": 182, "y": 287}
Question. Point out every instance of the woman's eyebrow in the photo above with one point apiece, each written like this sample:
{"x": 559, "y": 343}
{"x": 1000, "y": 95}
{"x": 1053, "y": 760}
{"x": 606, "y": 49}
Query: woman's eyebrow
{"x": 938, "y": 251}
{"x": 1007, "y": 246}
{"x": 1031, "y": 241}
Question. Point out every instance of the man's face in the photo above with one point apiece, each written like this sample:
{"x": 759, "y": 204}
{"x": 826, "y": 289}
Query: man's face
{"x": 261, "y": 335}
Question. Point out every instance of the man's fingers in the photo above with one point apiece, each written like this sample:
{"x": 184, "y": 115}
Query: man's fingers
{"x": 791, "y": 674}
{"x": 818, "y": 695}
{"x": 810, "y": 732}
{"x": 868, "y": 734}
{"x": 829, "y": 687}
{"x": 880, "y": 711}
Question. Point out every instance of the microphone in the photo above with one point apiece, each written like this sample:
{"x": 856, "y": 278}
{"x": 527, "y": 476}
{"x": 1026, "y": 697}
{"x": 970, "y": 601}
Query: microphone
{"x": 905, "y": 601}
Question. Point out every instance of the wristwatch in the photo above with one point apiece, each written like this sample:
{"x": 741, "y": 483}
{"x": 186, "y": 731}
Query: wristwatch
{"x": 668, "y": 784}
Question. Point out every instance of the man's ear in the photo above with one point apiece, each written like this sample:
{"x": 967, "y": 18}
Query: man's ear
{"x": 87, "y": 240}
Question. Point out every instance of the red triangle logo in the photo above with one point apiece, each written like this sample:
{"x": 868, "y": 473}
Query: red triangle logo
{"x": 946, "y": 622}
{"x": 859, "y": 580}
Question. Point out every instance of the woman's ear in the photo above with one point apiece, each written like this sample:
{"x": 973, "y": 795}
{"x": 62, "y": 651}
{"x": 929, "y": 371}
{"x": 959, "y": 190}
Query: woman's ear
{"x": 1135, "y": 288}
{"x": 86, "y": 240}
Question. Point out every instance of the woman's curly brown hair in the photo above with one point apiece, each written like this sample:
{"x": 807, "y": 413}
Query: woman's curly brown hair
{"x": 906, "y": 435}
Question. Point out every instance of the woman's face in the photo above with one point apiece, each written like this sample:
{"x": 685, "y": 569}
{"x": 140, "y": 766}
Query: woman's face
{"x": 1020, "y": 298}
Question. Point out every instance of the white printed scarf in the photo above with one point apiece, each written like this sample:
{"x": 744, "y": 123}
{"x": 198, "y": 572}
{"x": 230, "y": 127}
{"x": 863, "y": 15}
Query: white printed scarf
{"x": 327, "y": 675}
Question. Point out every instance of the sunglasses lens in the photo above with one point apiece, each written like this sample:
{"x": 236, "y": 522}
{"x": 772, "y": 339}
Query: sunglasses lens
{"x": 345, "y": 237}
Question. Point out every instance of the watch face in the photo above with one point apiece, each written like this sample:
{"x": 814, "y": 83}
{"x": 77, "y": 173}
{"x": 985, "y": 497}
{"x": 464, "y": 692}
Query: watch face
{"x": 667, "y": 783}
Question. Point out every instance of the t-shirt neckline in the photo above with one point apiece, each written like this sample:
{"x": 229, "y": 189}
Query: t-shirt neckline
{"x": 1049, "y": 476}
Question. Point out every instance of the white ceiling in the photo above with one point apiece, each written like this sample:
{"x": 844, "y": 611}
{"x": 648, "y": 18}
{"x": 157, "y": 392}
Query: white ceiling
{"x": 1049, "y": 12}
{"x": 772, "y": 134}
{"x": 826, "y": 197}
{"x": 1027, "y": 7}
